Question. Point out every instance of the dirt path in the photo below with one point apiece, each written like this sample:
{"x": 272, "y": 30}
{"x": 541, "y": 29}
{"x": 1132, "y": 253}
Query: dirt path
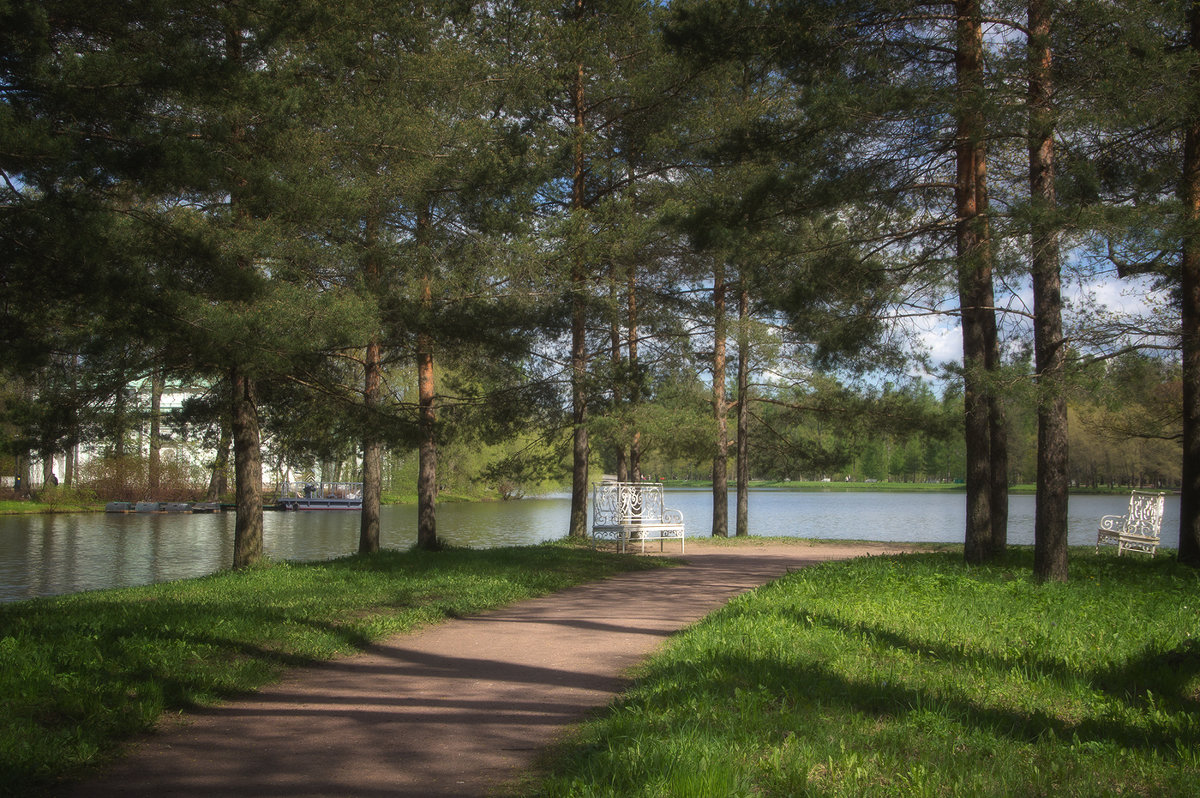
{"x": 456, "y": 708}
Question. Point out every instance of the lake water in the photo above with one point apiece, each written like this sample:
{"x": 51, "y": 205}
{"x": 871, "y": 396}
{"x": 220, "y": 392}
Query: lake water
{"x": 54, "y": 554}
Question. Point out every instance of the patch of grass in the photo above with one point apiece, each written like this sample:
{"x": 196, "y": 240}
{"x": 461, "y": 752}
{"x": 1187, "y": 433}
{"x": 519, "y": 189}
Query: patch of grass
{"x": 80, "y": 673}
{"x": 915, "y": 675}
{"x": 53, "y": 500}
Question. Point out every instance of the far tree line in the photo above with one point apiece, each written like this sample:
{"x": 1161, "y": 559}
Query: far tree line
{"x": 545, "y": 222}
{"x": 1123, "y": 413}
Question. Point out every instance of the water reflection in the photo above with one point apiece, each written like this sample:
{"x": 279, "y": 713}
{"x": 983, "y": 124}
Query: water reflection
{"x": 53, "y": 554}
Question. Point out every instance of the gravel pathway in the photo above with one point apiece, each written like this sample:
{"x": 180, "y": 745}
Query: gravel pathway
{"x": 454, "y": 709}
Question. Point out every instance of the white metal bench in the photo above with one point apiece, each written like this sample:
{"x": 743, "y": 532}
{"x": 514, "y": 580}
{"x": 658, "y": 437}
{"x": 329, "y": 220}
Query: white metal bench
{"x": 627, "y": 511}
{"x": 1138, "y": 529}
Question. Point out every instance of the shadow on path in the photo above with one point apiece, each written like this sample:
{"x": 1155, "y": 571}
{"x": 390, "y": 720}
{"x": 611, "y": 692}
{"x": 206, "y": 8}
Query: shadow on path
{"x": 450, "y": 710}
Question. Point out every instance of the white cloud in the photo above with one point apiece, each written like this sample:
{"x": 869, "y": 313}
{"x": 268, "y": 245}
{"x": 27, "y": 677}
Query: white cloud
{"x": 944, "y": 343}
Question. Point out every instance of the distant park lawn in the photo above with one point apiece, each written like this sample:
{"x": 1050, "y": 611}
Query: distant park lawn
{"x": 65, "y": 505}
{"x": 915, "y": 676}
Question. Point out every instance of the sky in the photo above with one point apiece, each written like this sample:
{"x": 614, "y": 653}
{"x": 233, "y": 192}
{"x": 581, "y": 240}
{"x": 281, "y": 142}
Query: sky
{"x": 943, "y": 339}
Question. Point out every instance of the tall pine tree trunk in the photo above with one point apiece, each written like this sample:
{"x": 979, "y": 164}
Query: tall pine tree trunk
{"x": 997, "y": 422}
{"x": 974, "y": 279}
{"x": 47, "y": 469}
{"x": 635, "y": 377}
{"x": 372, "y": 476}
{"x": 1050, "y": 515}
{"x": 743, "y": 412}
{"x": 579, "y": 447}
{"x": 720, "y": 466}
{"x": 579, "y": 274}
{"x": 372, "y": 447}
{"x": 427, "y": 415}
{"x": 426, "y": 448}
{"x": 1189, "y": 503}
{"x": 618, "y": 371}
{"x": 247, "y": 436}
{"x": 248, "y": 528}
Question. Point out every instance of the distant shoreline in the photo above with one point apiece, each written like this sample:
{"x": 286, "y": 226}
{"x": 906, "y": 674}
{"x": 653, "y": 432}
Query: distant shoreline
{"x": 29, "y": 507}
{"x": 900, "y": 487}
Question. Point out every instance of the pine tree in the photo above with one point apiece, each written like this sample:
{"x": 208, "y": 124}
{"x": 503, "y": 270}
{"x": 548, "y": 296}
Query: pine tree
{"x": 1050, "y": 520}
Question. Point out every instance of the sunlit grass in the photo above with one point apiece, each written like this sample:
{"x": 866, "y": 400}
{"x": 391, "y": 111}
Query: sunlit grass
{"x": 53, "y": 500}
{"x": 915, "y": 675}
{"x": 79, "y": 673}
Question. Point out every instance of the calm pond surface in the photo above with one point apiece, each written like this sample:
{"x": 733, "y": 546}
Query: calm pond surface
{"x": 43, "y": 555}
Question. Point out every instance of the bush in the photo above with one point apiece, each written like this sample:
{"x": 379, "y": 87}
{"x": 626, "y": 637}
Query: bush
{"x": 126, "y": 479}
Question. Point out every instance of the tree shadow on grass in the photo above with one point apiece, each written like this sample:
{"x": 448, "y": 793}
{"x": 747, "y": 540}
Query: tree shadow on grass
{"x": 1164, "y": 673}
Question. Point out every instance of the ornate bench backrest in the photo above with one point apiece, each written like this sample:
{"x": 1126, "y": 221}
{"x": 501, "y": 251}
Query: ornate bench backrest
{"x": 1145, "y": 514}
{"x": 616, "y": 503}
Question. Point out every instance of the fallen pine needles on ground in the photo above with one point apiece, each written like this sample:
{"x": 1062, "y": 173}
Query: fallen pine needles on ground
{"x": 80, "y": 673}
{"x": 915, "y": 675}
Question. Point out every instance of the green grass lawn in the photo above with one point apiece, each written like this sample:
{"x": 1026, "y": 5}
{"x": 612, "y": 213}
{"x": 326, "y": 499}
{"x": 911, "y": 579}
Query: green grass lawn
{"x": 74, "y": 505}
{"x": 915, "y": 676}
{"x": 80, "y": 673}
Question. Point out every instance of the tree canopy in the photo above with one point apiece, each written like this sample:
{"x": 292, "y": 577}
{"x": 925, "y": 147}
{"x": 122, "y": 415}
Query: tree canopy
{"x": 545, "y": 226}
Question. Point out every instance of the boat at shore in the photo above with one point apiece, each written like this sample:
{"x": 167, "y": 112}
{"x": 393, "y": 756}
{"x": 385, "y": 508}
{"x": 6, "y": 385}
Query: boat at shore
{"x": 162, "y": 507}
{"x": 291, "y": 496}
{"x": 319, "y": 496}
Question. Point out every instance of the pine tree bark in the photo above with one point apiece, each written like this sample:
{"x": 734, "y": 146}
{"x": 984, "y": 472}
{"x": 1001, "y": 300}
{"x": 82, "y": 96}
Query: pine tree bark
{"x": 47, "y": 469}
{"x": 427, "y": 490}
{"x": 1189, "y": 503}
{"x": 579, "y": 412}
{"x": 974, "y": 279}
{"x": 372, "y": 447}
{"x": 997, "y": 421}
{"x": 635, "y": 377}
{"x": 1050, "y": 515}
{"x": 372, "y": 488}
{"x": 247, "y": 436}
{"x": 427, "y": 448}
{"x": 720, "y": 466}
{"x": 743, "y": 413}
{"x": 247, "y": 439}
{"x": 616, "y": 363}
{"x": 579, "y": 274}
